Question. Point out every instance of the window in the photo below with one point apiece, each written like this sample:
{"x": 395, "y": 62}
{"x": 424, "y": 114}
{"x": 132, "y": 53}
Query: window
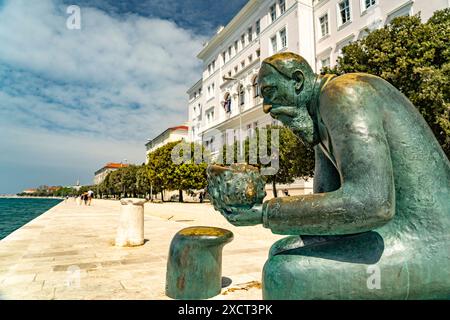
{"x": 283, "y": 38}
{"x": 241, "y": 95}
{"x": 325, "y": 62}
{"x": 211, "y": 91}
{"x": 250, "y": 34}
{"x": 405, "y": 10}
{"x": 369, "y": 3}
{"x": 273, "y": 13}
{"x": 243, "y": 41}
{"x": 235, "y": 69}
{"x": 242, "y": 64}
{"x": 229, "y": 74}
{"x": 258, "y": 53}
{"x": 258, "y": 27}
{"x": 209, "y": 69}
{"x": 273, "y": 42}
{"x": 324, "y": 28}
{"x": 344, "y": 11}
{"x": 255, "y": 86}
{"x": 282, "y": 4}
{"x": 213, "y": 65}
{"x": 224, "y": 57}
{"x": 236, "y": 135}
{"x": 249, "y": 130}
{"x": 210, "y": 116}
{"x": 229, "y": 52}
{"x": 250, "y": 58}
{"x": 236, "y": 48}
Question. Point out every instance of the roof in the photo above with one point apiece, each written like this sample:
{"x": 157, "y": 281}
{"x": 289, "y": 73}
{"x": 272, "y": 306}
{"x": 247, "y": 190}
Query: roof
{"x": 113, "y": 165}
{"x": 179, "y": 128}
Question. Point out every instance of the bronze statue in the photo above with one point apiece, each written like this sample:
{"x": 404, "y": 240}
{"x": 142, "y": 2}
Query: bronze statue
{"x": 381, "y": 202}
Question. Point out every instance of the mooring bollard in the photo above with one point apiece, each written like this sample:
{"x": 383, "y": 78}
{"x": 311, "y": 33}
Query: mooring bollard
{"x": 131, "y": 223}
{"x": 194, "y": 267}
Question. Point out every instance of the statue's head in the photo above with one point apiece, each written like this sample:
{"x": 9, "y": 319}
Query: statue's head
{"x": 287, "y": 83}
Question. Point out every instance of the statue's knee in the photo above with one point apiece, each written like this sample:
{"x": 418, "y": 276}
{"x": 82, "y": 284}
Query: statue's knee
{"x": 283, "y": 276}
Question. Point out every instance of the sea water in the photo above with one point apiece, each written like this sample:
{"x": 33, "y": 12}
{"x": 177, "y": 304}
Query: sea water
{"x": 15, "y": 212}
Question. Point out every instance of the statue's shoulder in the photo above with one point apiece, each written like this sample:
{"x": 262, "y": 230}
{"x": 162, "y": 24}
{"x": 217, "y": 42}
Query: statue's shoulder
{"x": 350, "y": 81}
{"x": 359, "y": 86}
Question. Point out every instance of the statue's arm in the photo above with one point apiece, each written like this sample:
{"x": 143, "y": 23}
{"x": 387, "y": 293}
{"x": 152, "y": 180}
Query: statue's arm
{"x": 366, "y": 198}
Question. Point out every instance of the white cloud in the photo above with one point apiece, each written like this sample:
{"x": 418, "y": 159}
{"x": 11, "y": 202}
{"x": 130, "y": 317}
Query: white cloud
{"x": 118, "y": 79}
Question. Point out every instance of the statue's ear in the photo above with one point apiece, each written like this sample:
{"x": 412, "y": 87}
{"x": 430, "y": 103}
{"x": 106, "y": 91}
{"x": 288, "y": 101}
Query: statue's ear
{"x": 299, "y": 79}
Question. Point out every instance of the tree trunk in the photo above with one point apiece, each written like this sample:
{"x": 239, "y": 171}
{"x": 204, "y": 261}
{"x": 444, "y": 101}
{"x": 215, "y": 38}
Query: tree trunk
{"x": 162, "y": 195}
{"x": 180, "y": 193}
{"x": 274, "y": 186}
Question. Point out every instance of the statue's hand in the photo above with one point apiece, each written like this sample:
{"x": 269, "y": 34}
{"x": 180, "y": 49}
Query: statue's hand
{"x": 243, "y": 217}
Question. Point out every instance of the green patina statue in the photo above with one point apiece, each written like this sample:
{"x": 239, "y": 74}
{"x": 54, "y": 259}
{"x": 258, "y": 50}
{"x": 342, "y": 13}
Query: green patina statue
{"x": 378, "y": 223}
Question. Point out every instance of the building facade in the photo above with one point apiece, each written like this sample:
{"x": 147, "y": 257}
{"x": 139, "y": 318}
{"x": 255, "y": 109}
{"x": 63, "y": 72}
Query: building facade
{"x": 101, "y": 174}
{"x": 169, "y": 135}
{"x": 227, "y": 98}
{"x": 339, "y": 22}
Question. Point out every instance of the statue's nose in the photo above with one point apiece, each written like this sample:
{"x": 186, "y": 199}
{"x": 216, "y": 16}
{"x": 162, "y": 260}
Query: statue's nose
{"x": 267, "y": 108}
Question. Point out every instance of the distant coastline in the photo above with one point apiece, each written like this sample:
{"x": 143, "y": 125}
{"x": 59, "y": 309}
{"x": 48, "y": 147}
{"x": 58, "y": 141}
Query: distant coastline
{"x": 12, "y": 196}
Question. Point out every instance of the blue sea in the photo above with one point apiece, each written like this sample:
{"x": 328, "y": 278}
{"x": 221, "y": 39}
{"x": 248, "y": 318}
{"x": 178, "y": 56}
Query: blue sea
{"x": 15, "y": 212}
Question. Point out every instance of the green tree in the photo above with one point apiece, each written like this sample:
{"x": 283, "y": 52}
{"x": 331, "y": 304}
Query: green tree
{"x": 165, "y": 174}
{"x": 190, "y": 175}
{"x": 295, "y": 159}
{"x": 415, "y": 58}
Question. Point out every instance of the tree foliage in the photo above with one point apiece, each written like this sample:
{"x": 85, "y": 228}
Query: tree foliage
{"x": 415, "y": 58}
{"x": 169, "y": 175}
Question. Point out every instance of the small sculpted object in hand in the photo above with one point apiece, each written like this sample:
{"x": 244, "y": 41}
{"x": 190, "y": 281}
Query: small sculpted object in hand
{"x": 236, "y": 191}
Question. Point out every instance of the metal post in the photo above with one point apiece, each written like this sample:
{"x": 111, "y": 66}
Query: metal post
{"x": 240, "y": 114}
{"x": 240, "y": 132}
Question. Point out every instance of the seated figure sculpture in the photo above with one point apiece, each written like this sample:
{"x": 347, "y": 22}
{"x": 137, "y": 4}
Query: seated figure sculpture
{"x": 378, "y": 223}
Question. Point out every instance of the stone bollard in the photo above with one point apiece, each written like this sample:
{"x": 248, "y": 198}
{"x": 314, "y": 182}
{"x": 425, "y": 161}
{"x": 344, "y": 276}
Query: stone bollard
{"x": 131, "y": 223}
{"x": 194, "y": 266}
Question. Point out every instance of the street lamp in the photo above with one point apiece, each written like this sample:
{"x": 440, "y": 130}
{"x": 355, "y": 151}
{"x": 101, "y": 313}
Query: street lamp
{"x": 240, "y": 115}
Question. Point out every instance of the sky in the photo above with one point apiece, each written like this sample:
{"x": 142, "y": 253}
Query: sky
{"x": 72, "y": 100}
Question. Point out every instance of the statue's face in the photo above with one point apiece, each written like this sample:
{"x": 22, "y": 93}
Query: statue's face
{"x": 286, "y": 100}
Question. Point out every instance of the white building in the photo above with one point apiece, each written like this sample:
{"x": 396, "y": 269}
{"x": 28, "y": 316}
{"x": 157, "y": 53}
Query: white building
{"x": 227, "y": 99}
{"x": 169, "y": 135}
{"x": 339, "y": 22}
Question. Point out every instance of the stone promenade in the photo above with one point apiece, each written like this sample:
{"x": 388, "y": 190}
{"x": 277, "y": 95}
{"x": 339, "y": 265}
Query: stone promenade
{"x": 68, "y": 253}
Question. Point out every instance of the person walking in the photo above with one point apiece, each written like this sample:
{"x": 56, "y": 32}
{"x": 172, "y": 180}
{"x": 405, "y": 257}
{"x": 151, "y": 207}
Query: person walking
{"x": 90, "y": 195}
